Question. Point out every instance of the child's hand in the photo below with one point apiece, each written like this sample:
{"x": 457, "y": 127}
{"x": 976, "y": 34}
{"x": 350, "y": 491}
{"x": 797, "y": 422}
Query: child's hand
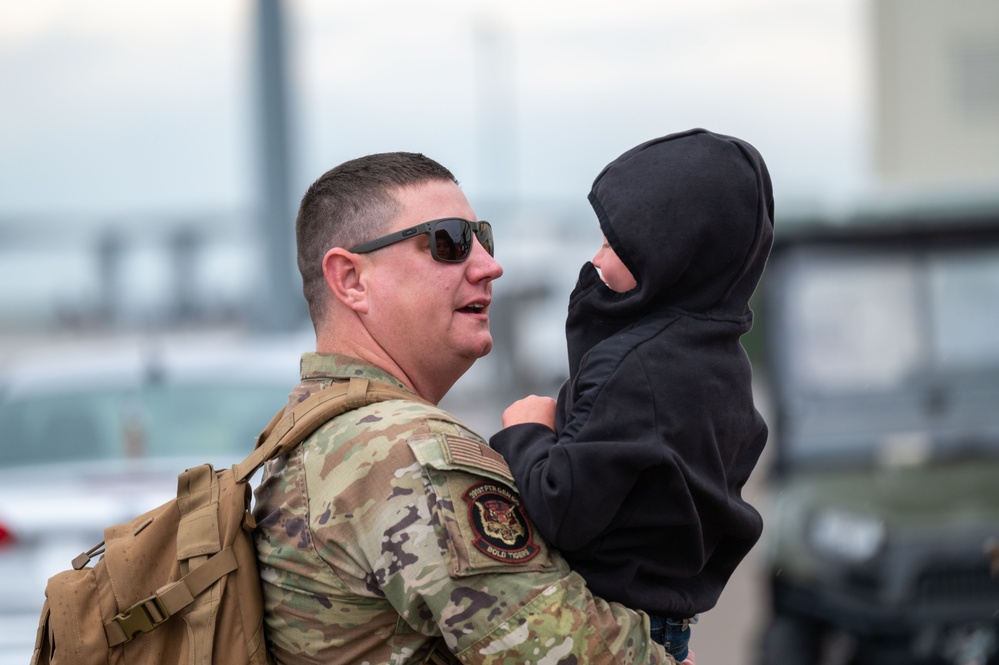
{"x": 531, "y": 409}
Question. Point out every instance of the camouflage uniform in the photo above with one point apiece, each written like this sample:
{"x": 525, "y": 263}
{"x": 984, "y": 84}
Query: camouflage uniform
{"x": 394, "y": 525}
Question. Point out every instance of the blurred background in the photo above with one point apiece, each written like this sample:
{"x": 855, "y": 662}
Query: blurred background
{"x": 152, "y": 156}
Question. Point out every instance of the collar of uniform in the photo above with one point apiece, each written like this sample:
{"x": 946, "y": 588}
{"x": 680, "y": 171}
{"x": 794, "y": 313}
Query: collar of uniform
{"x": 338, "y": 366}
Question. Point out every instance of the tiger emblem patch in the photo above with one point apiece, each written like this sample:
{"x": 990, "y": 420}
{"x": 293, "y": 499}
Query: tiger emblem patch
{"x": 501, "y": 529}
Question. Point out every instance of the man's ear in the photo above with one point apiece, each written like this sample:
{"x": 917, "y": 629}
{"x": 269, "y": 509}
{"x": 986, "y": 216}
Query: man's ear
{"x": 344, "y": 273}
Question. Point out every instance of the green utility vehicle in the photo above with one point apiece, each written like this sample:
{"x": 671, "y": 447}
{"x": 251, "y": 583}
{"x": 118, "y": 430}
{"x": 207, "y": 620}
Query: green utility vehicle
{"x": 881, "y": 340}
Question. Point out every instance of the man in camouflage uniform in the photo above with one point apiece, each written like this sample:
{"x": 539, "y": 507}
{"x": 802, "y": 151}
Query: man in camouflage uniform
{"x": 394, "y": 531}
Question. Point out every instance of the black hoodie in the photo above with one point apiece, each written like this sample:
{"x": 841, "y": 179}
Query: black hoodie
{"x": 657, "y": 433}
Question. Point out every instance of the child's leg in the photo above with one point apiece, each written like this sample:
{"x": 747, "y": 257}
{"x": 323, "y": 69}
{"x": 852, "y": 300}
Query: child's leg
{"x": 673, "y": 634}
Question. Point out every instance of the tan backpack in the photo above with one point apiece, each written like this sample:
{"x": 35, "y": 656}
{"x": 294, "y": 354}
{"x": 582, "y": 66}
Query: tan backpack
{"x": 179, "y": 584}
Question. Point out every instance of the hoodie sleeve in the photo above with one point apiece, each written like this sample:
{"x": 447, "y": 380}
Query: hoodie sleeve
{"x": 529, "y": 449}
{"x": 575, "y": 484}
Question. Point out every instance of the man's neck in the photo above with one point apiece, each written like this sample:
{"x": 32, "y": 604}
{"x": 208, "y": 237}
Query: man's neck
{"x": 431, "y": 381}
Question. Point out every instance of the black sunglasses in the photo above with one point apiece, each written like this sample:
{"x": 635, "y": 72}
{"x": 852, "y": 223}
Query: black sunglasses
{"x": 451, "y": 238}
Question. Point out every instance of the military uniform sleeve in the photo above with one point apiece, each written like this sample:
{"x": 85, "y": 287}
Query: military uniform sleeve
{"x": 496, "y": 591}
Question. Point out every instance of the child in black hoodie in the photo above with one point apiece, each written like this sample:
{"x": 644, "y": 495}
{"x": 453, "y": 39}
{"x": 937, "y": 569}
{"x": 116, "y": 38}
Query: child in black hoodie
{"x": 636, "y": 473}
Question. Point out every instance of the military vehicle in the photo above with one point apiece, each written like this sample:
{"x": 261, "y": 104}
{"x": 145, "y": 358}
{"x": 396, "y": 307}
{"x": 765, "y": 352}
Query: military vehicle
{"x": 880, "y": 337}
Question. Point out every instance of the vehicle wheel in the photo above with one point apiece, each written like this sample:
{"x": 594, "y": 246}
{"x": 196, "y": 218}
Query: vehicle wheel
{"x": 790, "y": 640}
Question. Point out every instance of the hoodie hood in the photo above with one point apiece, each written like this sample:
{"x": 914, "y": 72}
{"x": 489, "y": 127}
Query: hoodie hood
{"x": 691, "y": 216}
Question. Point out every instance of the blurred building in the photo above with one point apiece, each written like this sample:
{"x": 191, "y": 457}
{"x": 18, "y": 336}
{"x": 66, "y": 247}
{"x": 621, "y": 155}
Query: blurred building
{"x": 934, "y": 130}
{"x": 936, "y": 92}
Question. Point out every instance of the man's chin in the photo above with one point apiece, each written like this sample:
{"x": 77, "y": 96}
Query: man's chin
{"x": 481, "y": 349}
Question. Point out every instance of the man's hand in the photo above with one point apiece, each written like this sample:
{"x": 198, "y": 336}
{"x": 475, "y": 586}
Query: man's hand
{"x": 531, "y": 409}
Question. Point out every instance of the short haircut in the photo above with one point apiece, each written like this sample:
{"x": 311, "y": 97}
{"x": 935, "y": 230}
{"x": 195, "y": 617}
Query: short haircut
{"x": 349, "y": 204}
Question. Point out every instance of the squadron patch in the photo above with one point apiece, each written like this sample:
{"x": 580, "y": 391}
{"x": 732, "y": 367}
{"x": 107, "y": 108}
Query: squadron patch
{"x": 501, "y": 530}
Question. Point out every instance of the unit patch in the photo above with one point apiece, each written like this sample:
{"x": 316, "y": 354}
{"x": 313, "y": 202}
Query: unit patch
{"x": 501, "y": 530}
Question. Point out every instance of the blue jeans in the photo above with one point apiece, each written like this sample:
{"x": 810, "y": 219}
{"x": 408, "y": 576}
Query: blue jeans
{"x": 674, "y": 634}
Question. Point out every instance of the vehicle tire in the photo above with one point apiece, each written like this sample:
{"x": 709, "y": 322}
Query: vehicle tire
{"x": 790, "y": 640}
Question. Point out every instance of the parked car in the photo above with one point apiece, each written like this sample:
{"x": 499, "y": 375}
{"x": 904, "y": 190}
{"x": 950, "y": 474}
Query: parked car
{"x": 90, "y": 437}
{"x": 882, "y": 346}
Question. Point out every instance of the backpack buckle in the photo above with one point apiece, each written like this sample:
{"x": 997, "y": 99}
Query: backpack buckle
{"x": 142, "y": 617}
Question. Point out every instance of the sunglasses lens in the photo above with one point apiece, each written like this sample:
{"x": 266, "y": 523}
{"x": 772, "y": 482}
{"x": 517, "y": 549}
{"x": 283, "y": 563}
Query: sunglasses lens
{"x": 485, "y": 236}
{"x": 452, "y": 240}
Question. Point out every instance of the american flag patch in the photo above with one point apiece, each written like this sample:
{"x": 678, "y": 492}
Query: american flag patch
{"x": 469, "y": 452}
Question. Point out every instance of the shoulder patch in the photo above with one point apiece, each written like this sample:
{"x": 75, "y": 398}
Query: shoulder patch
{"x": 462, "y": 451}
{"x": 501, "y": 530}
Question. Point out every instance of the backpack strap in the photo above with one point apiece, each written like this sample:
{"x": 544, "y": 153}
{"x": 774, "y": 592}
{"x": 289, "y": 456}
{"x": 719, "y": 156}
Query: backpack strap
{"x": 149, "y": 613}
{"x": 286, "y": 430}
{"x": 289, "y": 428}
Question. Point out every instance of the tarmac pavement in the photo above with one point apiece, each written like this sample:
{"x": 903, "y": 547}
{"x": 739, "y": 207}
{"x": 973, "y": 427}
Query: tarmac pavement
{"x": 729, "y": 633}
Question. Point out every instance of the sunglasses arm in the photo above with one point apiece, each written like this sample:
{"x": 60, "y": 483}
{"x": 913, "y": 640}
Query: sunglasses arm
{"x": 392, "y": 238}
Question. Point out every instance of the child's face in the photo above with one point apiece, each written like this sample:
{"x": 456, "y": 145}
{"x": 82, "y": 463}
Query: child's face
{"x": 612, "y": 270}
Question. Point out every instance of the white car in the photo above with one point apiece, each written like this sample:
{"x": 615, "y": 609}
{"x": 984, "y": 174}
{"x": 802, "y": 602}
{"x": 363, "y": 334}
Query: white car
{"x": 93, "y": 437}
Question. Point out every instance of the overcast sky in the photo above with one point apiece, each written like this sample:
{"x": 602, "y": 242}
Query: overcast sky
{"x": 120, "y": 106}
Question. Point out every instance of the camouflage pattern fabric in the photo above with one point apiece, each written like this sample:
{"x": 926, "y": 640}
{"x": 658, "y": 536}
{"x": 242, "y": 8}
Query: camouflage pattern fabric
{"x": 394, "y": 525}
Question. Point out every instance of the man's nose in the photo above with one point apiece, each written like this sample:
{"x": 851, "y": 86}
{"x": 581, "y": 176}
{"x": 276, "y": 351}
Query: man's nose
{"x": 483, "y": 262}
